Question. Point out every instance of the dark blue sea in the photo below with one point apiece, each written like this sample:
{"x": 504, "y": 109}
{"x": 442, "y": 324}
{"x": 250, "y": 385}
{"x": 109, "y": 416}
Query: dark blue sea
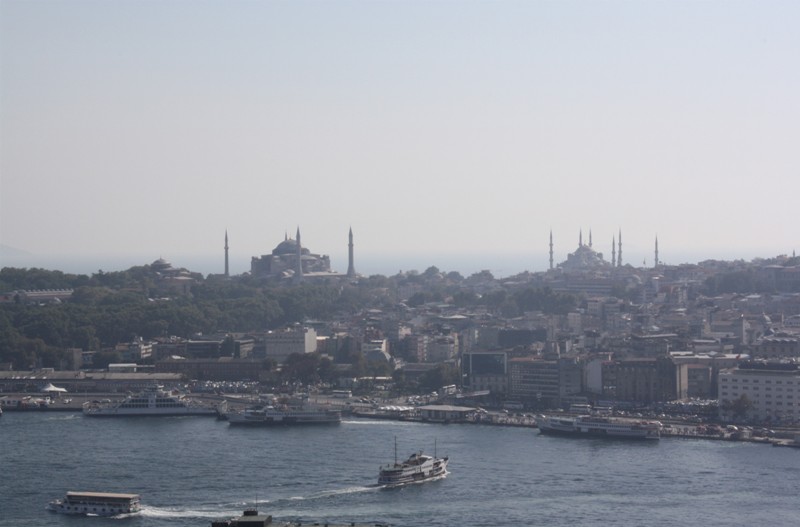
{"x": 193, "y": 470}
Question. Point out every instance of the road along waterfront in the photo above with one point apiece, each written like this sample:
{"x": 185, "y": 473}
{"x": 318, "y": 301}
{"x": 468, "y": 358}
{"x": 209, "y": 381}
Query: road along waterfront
{"x": 191, "y": 470}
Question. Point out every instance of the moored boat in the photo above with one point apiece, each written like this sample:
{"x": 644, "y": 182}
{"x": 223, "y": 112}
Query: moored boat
{"x": 154, "y": 401}
{"x": 24, "y": 404}
{"x": 597, "y": 426}
{"x": 269, "y": 415}
{"x": 96, "y": 503}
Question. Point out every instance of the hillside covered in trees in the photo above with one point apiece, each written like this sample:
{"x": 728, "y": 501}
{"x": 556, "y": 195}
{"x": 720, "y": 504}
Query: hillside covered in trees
{"x": 108, "y": 308}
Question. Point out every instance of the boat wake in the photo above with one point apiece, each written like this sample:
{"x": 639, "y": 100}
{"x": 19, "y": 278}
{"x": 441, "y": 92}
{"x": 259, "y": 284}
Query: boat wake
{"x": 228, "y": 510}
{"x": 65, "y": 417}
{"x": 176, "y": 512}
{"x": 327, "y": 494}
{"x": 408, "y": 484}
{"x": 339, "y": 492}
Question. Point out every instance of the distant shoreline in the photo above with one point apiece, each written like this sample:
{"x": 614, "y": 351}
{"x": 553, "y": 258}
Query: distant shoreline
{"x": 500, "y": 265}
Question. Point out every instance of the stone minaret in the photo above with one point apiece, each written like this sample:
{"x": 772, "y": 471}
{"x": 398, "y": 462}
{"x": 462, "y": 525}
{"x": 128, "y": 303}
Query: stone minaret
{"x": 613, "y": 252}
{"x": 590, "y": 237}
{"x": 298, "y": 272}
{"x": 227, "y": 273}
{"x": 551, "y": 249}
{"x": 656, "y": 261}
{"x": 619, "y": 252}
{"x": 580, "y": 238}
{"x": 351, "y": 269}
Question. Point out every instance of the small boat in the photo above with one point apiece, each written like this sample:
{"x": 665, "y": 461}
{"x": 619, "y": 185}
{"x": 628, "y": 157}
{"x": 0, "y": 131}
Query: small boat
{"x": 252, "y": 518}
{"x": 154, "y": 401}
{"x": 417, "y": 468}
{"x": 96, "y": 503}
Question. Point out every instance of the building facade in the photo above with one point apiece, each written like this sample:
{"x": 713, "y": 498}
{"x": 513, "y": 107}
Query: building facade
{"x": 278, "y": 345}
{"x": 768, "y": 392}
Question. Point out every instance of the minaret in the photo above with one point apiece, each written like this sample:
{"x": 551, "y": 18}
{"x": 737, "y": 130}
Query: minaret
{"x": 590, "y": 237}
{"x": 227, "y": 274}
{"x": 613, "y": 251}
{"x": 351, "y": 270}
{"x": 298, "y": 272}
{"x": 619, "y": 252}
{"x": 551, "y": 248}
{"x": 656, "y": 261}
{"x": 580, "y": 238}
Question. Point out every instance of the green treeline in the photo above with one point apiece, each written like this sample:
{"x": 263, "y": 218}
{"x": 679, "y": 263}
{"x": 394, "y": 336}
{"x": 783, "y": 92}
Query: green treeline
{"x": 109, "y": 308}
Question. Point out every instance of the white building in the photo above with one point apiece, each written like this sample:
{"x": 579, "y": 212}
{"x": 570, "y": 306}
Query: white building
{"x": 280, "y": 344}
{"x": 773, "y": 389}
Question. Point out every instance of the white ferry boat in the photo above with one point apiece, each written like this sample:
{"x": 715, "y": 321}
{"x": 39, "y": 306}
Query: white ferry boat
{"x": 154, "y": 401}
{"x": 596, "y": 426}
{"x": 268, "y": 415}
{"x": 417, "y": 468}
{"x": 96, "y": 503}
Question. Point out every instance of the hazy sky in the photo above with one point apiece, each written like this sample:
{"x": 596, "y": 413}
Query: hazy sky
{"x": 148, "y": 128}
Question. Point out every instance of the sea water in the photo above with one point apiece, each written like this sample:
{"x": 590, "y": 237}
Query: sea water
{"x": 192, "y": 470}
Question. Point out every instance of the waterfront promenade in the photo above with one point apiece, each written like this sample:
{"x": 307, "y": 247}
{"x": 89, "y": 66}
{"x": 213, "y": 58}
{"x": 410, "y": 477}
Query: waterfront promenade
{"x": 673, "y": 428}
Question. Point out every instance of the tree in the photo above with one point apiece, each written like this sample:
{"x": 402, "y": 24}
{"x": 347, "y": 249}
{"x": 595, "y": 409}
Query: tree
{"x": 102, "y": 359}
{"x": 443, "y": 375}
{"x": 739, "y": 408}
{"x": 302, "y": 367}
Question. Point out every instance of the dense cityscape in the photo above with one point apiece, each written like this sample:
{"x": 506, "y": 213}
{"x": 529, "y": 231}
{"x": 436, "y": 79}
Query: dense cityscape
{"x": 719, "y": 339}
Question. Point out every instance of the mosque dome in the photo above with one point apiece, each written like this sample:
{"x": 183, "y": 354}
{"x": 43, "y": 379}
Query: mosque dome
{"x": 287, "y": 246}
{"x": 584, "y": 258}
{"x": 161, "y": 265}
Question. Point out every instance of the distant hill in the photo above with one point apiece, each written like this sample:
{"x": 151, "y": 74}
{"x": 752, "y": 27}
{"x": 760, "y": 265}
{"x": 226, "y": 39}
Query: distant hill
{"x": 6, "y": 251}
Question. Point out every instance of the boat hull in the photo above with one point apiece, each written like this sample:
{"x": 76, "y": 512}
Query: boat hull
{"x": 114, "y": 412}
{"x": 595, "y": 434}
{"x": 599, "y": 428}
{"x": 61, "y": 508}
{"x": 96, "y": 504}
{"x": 278, "y": 418}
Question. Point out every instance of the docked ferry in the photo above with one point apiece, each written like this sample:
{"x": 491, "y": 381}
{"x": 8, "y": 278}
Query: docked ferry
{"x": 269, "y": 415}
{"x": 417, "y": 468}
{"x": 597, "y": 426}
{"x": 154, "y": 401}
{"x": 96, "y": 503}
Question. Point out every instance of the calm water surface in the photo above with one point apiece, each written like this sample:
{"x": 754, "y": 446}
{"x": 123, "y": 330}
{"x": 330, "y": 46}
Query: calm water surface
{"x": 192, "y": 470}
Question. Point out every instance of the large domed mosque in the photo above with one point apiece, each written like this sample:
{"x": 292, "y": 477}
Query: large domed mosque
{"x": 289, "y": 259}
{"x": 585, "y": 258}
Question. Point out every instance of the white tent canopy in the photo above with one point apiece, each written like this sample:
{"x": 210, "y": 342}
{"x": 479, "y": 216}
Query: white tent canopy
{"x": 51, "y": 388}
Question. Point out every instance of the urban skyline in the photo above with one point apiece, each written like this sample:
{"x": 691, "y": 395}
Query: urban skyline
{"x": 148, "y": 129}
{"x": 551, "y": 254}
